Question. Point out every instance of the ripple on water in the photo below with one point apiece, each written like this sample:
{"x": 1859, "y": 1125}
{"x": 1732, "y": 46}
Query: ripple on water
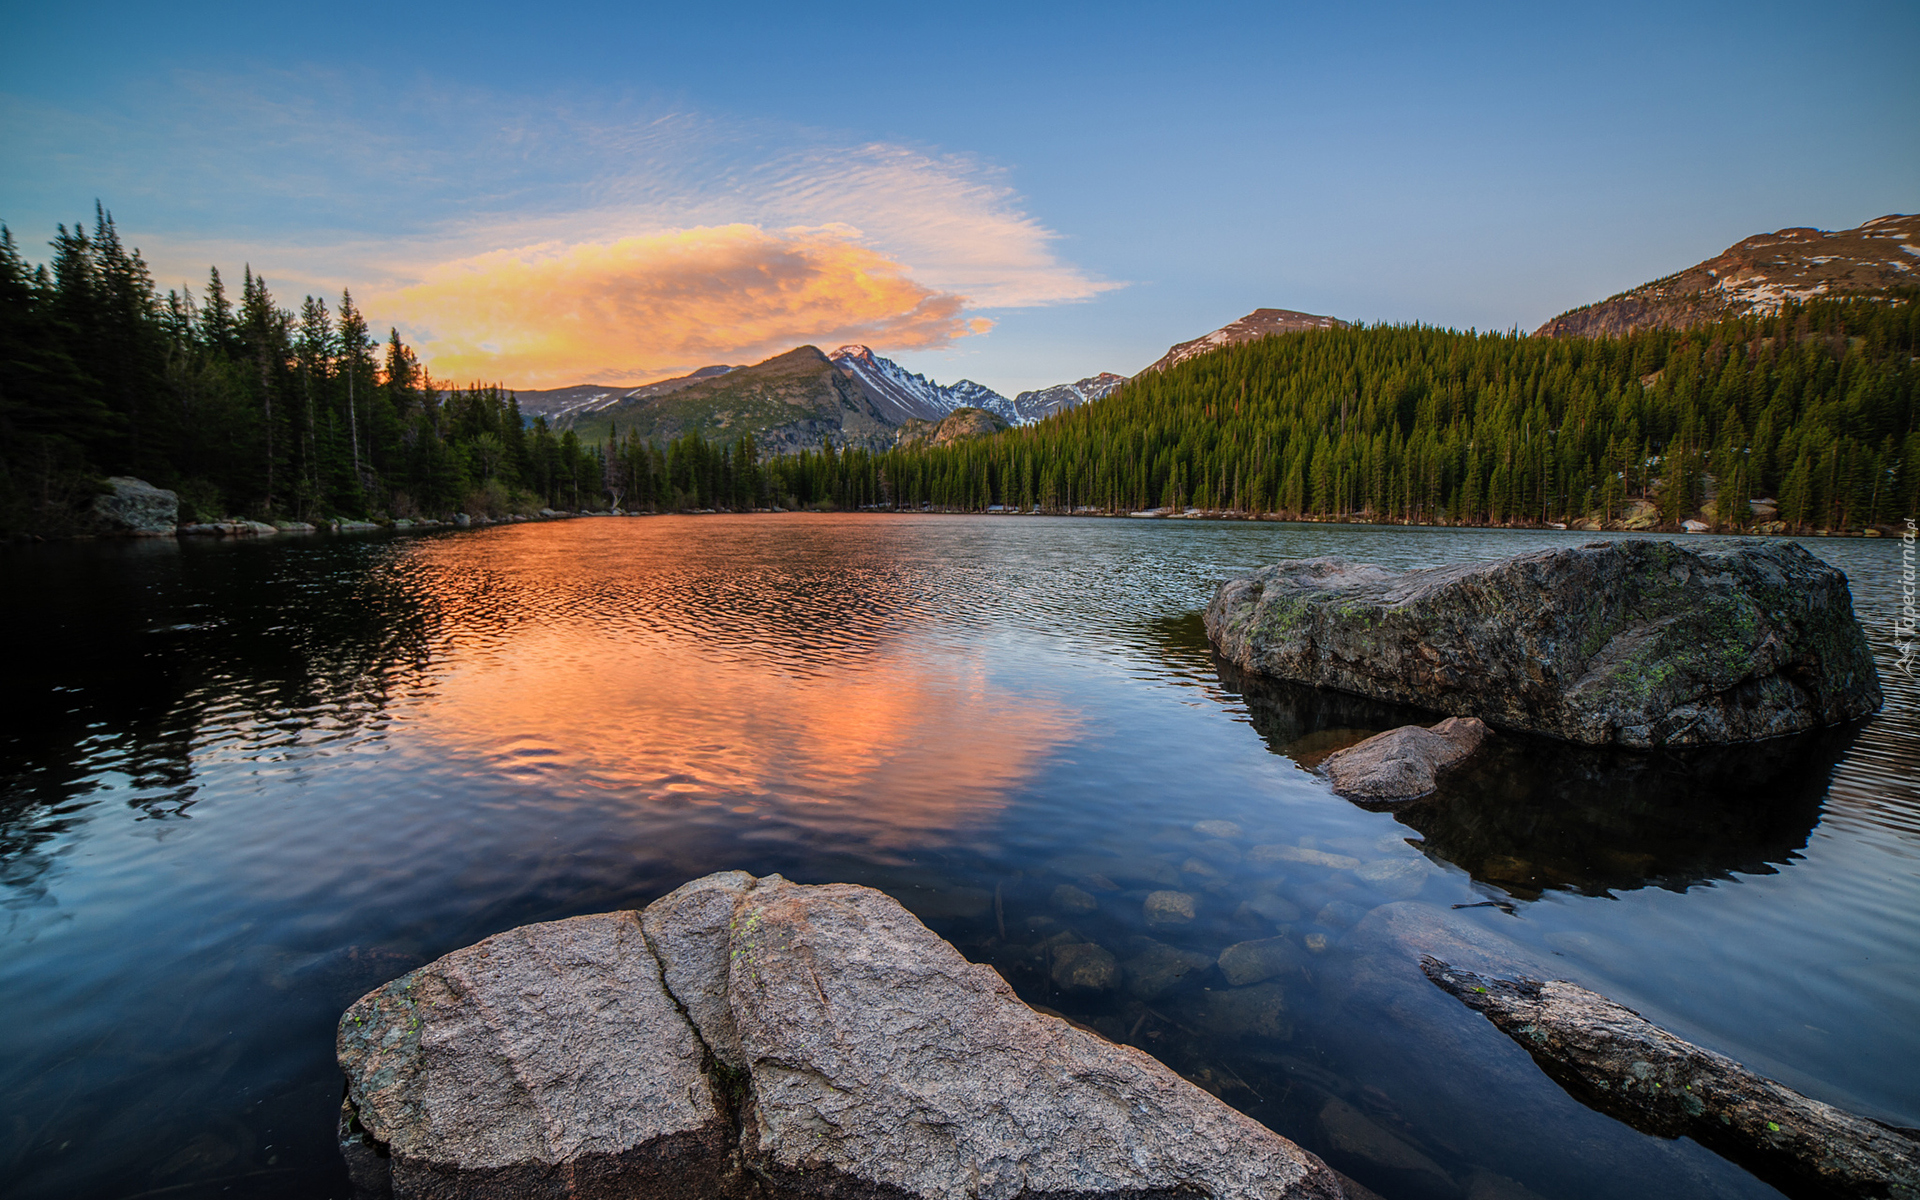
{"x": 342, "y": 755}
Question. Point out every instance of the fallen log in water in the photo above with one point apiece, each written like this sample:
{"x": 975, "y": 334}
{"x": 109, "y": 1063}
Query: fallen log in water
{"x": 1614, "y": 1060}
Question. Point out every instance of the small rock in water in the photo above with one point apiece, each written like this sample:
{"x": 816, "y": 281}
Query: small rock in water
{"x": 1157, "y": 967}
{"x": 1403, "y": 763}
{"x": 1396, "y": 878}
{"x": 1224, "y": 830}
{"x": 1250, "y": 962}
{"x": 1259, "y": 1011}
{"x": 1085, "y": 968}
{"x": 1195, "y": 866}
{"x": 1340, "y": 915}
{"x": 1351, "y": 1136}
{"x": 937, "y": 904}
{"x": 1169, "y": 908}
{"x": 1219, "y": 850}
{"x": 1273, "y": 907}
{"x": 1485, "y": 1185}
{"x": 1068, "y": 898}
{"x": 1302, "y": 854}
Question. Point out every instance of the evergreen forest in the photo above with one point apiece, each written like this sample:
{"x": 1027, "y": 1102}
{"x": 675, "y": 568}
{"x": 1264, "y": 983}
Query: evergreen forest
{"x": 242, "y": 406}
{"x": 1812, "y": 409}
{"x": 248, "y": 408}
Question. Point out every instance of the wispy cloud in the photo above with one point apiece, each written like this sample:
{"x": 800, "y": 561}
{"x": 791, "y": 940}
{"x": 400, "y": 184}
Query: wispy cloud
{"x": 641, "y": 308}
{"x": 666, "y": 237}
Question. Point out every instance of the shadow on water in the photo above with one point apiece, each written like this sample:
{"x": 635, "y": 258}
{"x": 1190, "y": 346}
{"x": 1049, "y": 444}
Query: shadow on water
{"x": 125, "y": 664}
{"x": 1529, "y": 814}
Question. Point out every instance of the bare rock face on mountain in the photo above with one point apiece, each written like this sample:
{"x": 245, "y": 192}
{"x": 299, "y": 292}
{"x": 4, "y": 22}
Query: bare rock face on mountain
{"x": 764, "y": 1038}
{"x": 1756, "y": 275}
{"x": 1261, "y": 322}
{"x": 1632, "y": 643}
{"x": 960, "y": 425}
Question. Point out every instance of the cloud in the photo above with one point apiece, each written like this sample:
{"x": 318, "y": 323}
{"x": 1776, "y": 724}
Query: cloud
{"x": 640, "y": 308}
{"x": 484, "y": 215}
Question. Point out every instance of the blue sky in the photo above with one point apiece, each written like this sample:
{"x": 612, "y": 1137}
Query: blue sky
{"x": 1021, "y": 194}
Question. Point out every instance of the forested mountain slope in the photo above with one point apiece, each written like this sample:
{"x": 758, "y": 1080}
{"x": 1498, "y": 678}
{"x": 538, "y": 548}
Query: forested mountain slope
{"x": 1814, "y": 407}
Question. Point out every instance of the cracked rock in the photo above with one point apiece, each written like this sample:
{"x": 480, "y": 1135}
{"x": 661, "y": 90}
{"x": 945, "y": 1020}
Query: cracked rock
{"x": 873, "y": 1060}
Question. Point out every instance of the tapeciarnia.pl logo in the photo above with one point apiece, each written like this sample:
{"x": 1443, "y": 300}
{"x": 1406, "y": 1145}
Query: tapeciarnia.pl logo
{"x": 1906, "y": 623}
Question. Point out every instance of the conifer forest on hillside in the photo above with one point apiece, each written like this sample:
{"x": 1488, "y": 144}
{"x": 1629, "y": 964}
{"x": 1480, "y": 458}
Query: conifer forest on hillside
{"x": 246, "y": 407}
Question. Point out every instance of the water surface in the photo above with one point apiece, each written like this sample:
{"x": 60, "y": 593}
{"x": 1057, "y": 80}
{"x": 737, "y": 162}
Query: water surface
{"x": 241, "y": 783}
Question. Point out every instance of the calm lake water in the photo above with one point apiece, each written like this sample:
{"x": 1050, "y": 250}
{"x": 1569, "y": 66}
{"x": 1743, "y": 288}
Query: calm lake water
{"x": 241, "y": 783}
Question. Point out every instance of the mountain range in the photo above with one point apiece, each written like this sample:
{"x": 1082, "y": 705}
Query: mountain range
{"x": 854, "y": 397}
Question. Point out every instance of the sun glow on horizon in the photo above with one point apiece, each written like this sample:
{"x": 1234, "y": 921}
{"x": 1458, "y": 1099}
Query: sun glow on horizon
{"x": 646, "y": 307}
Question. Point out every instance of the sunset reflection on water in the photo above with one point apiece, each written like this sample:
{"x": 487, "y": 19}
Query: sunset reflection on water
{"x": 817, "y": 688}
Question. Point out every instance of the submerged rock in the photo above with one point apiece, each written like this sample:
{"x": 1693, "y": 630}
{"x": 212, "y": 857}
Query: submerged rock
{"x": 1156, "y": 968}
{"x": 1403, "y": 763}
{"x": 1250, "y": 962}
{"x": 753, "y": 1037}
{"x": 1167, "y": 908}
{"x": 1085, "y": 967}
{"x": 1614, "y": 1060}
{"x": 1634, "y": 643}
{"x": 1070, "y": 899}
{"x": 1352, "y": 1137}
{"x": 135, "y": 508}
{"x": 1259, "y": 1011}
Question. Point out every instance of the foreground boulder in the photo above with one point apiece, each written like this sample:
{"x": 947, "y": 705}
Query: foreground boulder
{"x": 544, "y": 1061}
{"x": 1403, "y": 763}
{"x": 1616, "y": 1061}
{"x": 754, "y": 1037}
{"x": 135, "y": 508}
{"x": 1632, "y": 643}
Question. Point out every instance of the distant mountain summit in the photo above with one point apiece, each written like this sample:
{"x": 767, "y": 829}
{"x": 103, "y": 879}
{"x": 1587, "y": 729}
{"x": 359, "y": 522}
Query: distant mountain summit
{"x": 560, "y": 405}
{"x": 1261, "y": 322}
{"x": 1029, "y": 407}
{"x": 912, "y": 395}
{"x": 1756, "y": 276}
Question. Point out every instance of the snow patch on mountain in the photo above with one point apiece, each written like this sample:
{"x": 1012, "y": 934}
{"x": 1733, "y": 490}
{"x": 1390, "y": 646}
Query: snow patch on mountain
{"x": 912, "y": 395}
{"x": 1029, "y": 407}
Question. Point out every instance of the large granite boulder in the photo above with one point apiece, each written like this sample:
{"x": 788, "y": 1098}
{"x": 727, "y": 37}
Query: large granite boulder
{"x": 544, "y": 1061}
{"x": 763, "y": 1038}
{"x": 135, "y": 508}
{"x": 1631, "y": 643}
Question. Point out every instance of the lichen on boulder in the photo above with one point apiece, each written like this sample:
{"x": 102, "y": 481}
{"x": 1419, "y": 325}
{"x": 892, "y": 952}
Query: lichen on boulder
{"x": 1632, "y": 643}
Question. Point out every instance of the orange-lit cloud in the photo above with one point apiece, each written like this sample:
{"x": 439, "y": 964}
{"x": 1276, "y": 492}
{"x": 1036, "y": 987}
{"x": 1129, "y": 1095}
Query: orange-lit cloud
{"x": 642, "y": 308}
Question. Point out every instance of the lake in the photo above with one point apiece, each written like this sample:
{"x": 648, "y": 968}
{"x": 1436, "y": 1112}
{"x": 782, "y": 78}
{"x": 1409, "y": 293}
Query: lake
{"x": 241, "y": 782}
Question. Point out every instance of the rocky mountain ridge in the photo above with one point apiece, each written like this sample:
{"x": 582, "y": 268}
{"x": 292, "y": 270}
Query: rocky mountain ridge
{"x": 1756, "y": 276}
{"x": 1260, "y": 323}
{"x": 852, "y": 397}
{"x": 560, "y": 405}
{"x": 1029, "y": 407}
